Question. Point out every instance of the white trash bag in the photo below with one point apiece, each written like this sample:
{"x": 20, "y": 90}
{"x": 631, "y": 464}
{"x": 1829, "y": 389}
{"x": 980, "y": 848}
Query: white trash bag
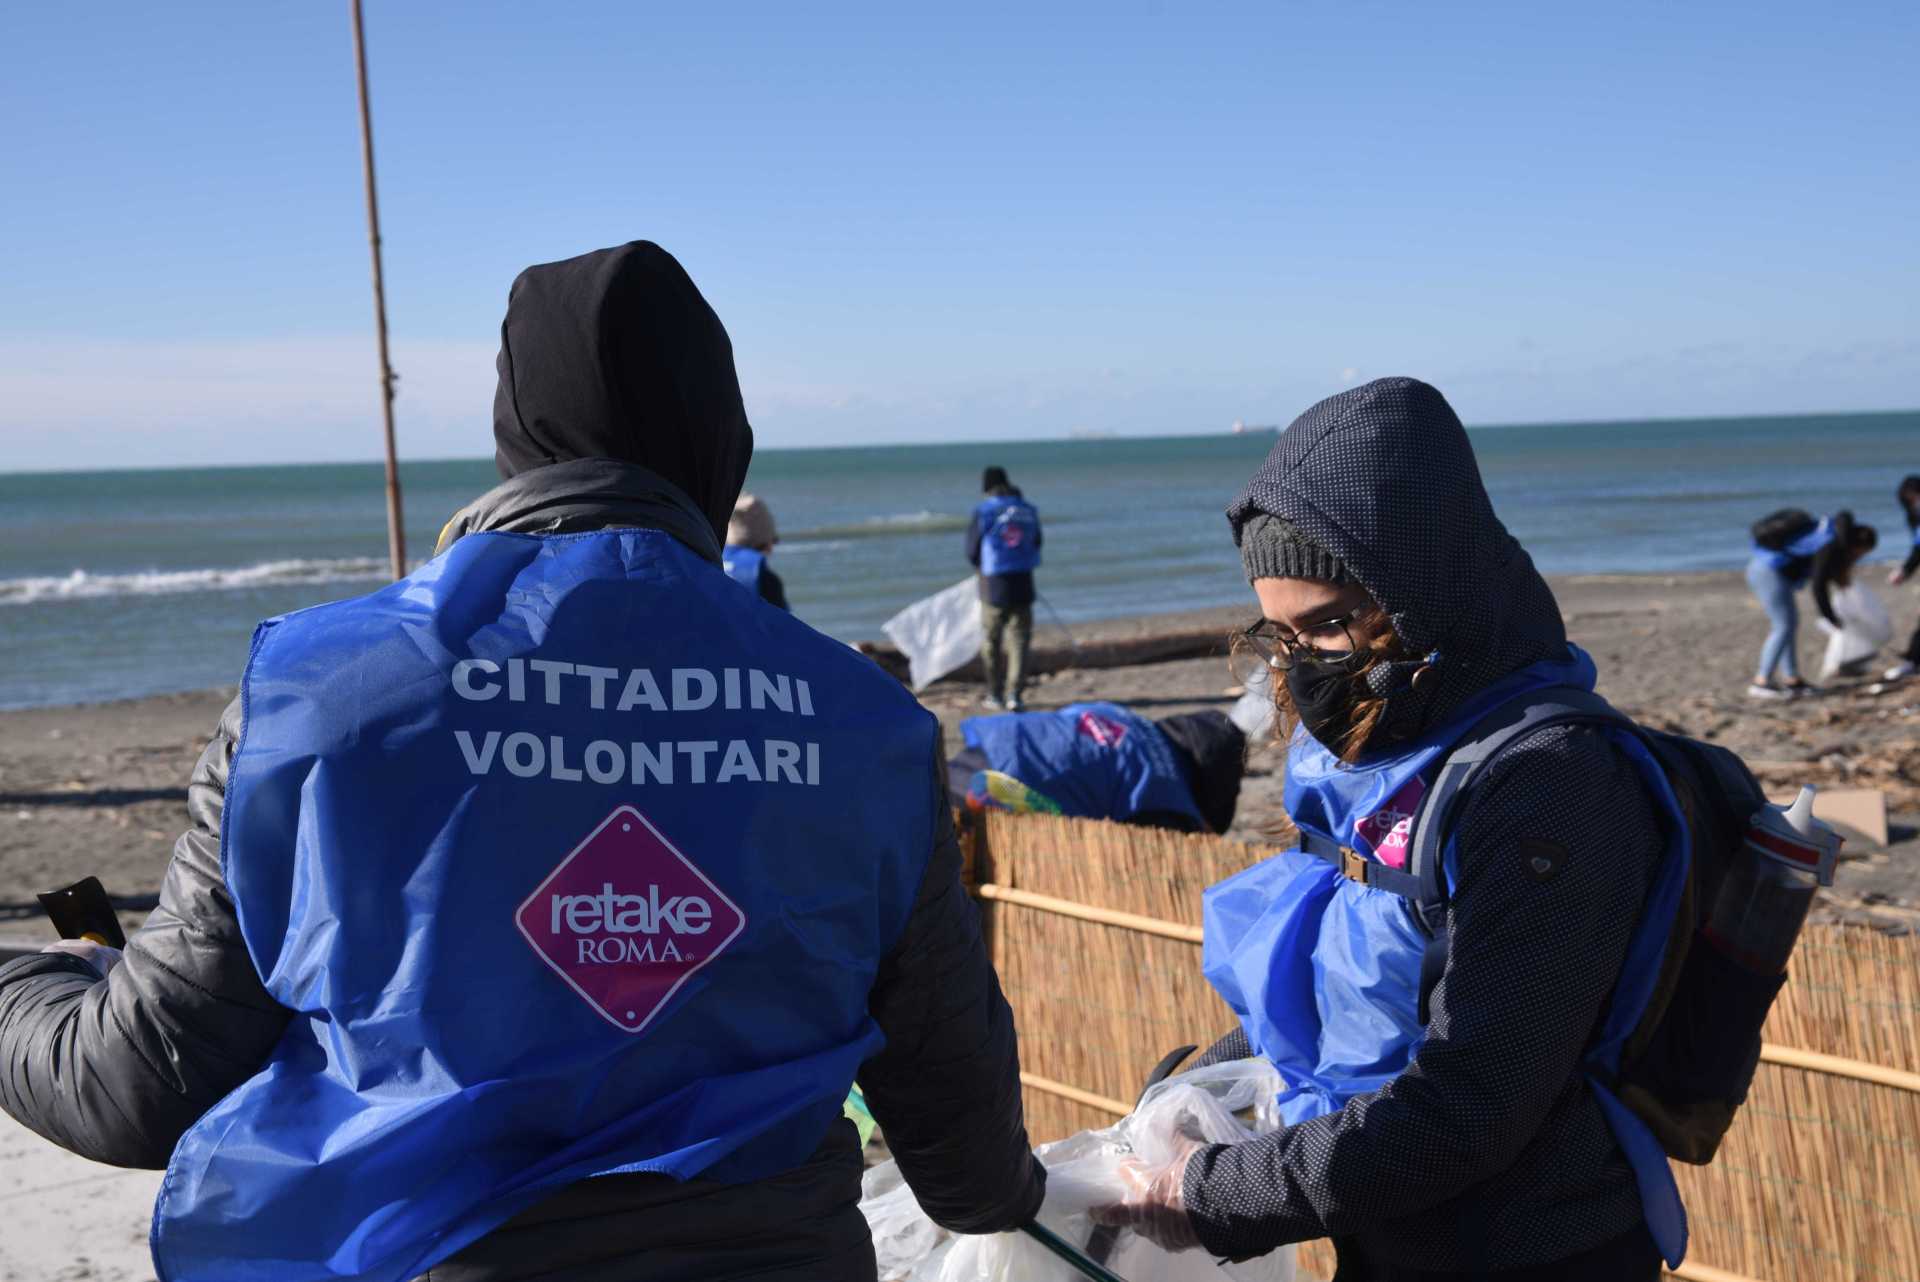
{"x": 1083, "y": 1171}
{"x": 938, "y": 633}
{"x": 1864, "y": 628}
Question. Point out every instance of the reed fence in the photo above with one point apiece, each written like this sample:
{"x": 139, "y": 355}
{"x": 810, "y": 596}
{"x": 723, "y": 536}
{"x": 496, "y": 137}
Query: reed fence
{"x": 1095, "y": 930}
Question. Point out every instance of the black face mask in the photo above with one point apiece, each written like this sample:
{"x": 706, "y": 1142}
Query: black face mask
{"x": 1323, "y": 697}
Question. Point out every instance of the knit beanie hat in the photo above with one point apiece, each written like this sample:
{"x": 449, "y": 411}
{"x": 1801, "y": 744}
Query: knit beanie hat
{"x": 1271, "y": 548}
{"x": 752, "y": 524}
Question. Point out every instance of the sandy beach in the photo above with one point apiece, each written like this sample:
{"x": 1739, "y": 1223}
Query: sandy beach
{"x": 100, "y": 788}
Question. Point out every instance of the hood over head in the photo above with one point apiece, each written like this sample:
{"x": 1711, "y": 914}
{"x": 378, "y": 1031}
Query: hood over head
{"x": 1213, "y": 753}
{"x": 1383, "y": 477}
{"x": 615, "y": 355}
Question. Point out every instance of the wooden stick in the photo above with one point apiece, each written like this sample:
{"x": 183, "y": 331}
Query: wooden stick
{"x": 396, "y": 530}
{"x": 1105, "y": 916}
{"x": 1046, "y": 1086}
{"x": 1707, "y": 1273}
{"x": 1836, "y": 1066}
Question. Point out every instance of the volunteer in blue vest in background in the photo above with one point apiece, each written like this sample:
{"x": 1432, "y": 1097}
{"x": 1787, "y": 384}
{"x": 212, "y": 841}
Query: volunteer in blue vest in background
{"x": 541, "y": 908}
{"x": 750, "y": 540}
{"x": 1103, "y": 761}
{"x": 1791, "y": 550}
{"x": 1003, "y": 543}
{"x": 1472, "y": 1139}
{"x": 1909, "y": 498}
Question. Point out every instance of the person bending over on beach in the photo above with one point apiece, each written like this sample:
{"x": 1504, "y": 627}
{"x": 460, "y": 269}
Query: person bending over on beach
{"x": 1790, "y": 550}
{"x": 1444, "y": 1124}
{"x": 1003, "y": 543}
{"x": 1103, "y": 761}
{"x": 540, "y": 908}
{"x": 1909, "y": 496}
{"x": 750, "y": 540}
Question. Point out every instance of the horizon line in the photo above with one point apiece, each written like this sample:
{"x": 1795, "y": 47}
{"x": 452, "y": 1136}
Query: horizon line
{"x": 1074, "y": 437}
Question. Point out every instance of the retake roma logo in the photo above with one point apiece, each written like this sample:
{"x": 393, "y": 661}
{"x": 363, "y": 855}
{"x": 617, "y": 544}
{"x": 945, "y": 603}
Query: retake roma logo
{"x": 626, "y": 919}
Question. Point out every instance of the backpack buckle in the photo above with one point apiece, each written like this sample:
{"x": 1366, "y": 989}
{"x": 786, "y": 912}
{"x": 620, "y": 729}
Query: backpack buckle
{"x": 1353, "y": 865}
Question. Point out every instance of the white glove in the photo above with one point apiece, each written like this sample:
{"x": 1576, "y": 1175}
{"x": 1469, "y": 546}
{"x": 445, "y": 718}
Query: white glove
{"x": 101, "y": 957}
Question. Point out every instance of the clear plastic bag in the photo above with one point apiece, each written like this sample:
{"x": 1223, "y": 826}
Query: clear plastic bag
{"x": 1221, "y": 1104}
{"x": 1864, "y": 628}
{"x": 938, "y": 633}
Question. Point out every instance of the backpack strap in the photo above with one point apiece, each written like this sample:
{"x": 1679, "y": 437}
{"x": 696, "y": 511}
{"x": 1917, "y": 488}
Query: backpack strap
{"x": 1441, "y": 807}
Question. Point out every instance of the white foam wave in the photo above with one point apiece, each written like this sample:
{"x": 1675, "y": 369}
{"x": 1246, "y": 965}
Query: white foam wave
{"x": 82, "y": 585}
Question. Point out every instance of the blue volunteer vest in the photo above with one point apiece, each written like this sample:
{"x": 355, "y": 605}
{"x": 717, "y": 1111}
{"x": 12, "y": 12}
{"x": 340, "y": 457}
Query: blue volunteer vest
{"x": 1796, "y": 554}
{"x": 540, "y": 913}
{"x": 1009, "y": 535}
{"x": 1096, "y": 760}
{"x": 743, "y": 565}
{"x": 1324, "y": 972}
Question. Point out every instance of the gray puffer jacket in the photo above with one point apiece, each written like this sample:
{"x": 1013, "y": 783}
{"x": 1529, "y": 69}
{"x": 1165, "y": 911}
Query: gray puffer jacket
{"x": 118, "y": 1069}
{"x": 1489, "y": 1152}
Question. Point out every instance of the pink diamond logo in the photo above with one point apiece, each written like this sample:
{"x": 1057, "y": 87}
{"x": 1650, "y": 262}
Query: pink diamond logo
{"x": 1103, "y": 730}
{"x": 626, "y": 919}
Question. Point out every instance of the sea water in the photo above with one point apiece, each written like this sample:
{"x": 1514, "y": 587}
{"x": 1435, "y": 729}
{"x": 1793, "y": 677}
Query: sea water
{"x": 125, "y": 583}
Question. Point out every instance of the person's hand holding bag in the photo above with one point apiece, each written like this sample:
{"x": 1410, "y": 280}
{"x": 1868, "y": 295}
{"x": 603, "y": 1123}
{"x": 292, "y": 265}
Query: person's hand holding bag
{"x": 1151, "y": 1203}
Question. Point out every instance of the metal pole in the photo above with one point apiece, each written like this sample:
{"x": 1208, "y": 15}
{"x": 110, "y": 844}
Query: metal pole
{"x": 396, "y": 529}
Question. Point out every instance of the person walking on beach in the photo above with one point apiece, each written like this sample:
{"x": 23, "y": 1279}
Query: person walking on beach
{"x": 1909, "y": 498}
{"x": 1003, "y": 543}
{"x": 1103, "y": 761}
{"x": 1791, "y": 550}
{"x": 1446, "y": 1121}
{"x": 750, "y": 540}
{"x": 541, "y": 908}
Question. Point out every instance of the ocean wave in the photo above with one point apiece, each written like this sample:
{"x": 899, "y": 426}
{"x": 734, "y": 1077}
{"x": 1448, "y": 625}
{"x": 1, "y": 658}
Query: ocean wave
{"x": 83, "y": 585}
{"x": 882, "y": 527}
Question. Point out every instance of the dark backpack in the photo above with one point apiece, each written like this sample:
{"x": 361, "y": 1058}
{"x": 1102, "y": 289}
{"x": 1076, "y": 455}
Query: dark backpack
{"x": 1688, "y": 1064}
{"x": 1776, "y": 530}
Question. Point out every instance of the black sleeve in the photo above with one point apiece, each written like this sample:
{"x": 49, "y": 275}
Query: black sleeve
{"x": 772, "y": 590}
{"x": 117, "y": 1069}
{"x": 946, "y": 1089}
{"x": 1829, "y": 563}
{"x": 1171, "y": 820}
{"x": 1912, "y": 562}
{"x": 1534, "y": 956}
{"x": 974, "y": 535}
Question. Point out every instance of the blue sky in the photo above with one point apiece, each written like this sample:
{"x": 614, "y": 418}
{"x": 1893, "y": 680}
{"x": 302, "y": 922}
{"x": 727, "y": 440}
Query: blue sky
{"x": 993, "y": 221}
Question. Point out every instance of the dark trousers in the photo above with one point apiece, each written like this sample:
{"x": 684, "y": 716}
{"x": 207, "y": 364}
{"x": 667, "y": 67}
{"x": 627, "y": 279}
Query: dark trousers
{"x": 1008, "y": 631}
{"x": 1632, "y": 1257}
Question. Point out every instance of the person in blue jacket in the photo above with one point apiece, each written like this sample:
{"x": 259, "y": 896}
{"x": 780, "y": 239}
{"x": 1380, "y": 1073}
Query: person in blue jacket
{"x": 1792, "y": 550}
{"x": 750, "y": 539}
{"x": 1003, "y": 543}
{"x": 1103, "y": 761}
{"x": 541, "y": 908}
{"x": 1472, "y": 1136}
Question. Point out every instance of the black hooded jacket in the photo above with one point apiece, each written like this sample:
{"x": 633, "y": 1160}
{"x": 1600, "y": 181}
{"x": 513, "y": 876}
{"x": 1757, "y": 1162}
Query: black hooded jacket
{"x": 1489, "y": 1152}
{"x": 595, "y": 430}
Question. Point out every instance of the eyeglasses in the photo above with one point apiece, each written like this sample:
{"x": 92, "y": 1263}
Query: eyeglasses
{"x": 1328, "y": 642}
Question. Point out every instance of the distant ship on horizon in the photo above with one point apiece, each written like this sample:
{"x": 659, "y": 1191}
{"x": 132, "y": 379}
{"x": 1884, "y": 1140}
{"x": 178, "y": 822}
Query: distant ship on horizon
{"x": 1244, "y": 429}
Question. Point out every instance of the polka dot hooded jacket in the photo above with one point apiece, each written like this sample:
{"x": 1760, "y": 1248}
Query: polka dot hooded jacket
{"x": 1489, "y": 1152}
